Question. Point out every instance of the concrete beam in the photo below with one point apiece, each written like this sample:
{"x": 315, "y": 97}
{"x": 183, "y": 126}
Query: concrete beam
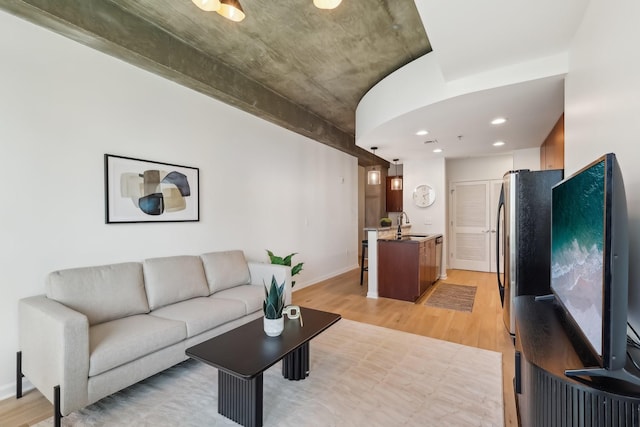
{"x": 104, "y": 26}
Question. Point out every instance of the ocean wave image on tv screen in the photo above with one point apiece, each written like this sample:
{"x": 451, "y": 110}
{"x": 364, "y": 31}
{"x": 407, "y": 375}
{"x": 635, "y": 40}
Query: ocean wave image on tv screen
{"x": 577, "y": 249}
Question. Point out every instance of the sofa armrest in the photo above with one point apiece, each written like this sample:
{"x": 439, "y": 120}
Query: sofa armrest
{"x": 54, "y": 341}
{"x": 261, "y": 274}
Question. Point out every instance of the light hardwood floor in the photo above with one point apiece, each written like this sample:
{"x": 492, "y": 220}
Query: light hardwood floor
{"x": 482, "y": 328}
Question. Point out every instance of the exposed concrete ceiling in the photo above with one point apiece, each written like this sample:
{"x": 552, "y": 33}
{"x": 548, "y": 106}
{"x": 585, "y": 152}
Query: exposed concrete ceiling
{"x": 288, "y": 62}
{"x": 307, "y": 69}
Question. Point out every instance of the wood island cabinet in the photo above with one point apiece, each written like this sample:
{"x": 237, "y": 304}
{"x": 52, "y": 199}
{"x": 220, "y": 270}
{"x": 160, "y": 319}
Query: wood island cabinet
{"x": 406, "y": 268}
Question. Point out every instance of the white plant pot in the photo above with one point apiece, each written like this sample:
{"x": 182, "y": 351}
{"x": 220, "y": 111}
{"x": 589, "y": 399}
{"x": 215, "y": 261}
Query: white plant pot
{"x": 273, "y": 327}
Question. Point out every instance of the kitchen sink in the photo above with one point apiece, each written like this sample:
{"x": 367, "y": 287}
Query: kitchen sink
{"x": 411, "y": 237}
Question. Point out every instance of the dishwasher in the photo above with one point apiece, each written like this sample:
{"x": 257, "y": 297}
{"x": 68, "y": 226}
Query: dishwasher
{"x": 439, "y": 256}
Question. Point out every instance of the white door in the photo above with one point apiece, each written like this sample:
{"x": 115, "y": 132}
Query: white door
{"x": 496, "y": 186}
{"x": 473, "y": 214}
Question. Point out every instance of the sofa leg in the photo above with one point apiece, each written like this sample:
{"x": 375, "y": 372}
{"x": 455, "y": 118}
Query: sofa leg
{"x": 57, "y": 416}
{"x": 19, "y": 375}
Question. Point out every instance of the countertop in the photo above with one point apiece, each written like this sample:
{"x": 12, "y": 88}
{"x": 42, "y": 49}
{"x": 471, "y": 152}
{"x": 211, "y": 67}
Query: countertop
{"x": 390, "y": 228}
{"x": 410, "y": 238}
{"x": 389, "y": 232}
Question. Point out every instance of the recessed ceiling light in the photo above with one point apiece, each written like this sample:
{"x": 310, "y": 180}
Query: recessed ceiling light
{"x": 422, "y": 132}
{"x": 498, "y": 143}
{"x": 437, "y": 150}
{"x": 498, "y": 121}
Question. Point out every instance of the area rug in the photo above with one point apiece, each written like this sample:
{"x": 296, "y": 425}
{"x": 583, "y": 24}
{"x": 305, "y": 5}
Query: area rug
{"x": 452, "y": 297}
{"x": 361, "y": 375}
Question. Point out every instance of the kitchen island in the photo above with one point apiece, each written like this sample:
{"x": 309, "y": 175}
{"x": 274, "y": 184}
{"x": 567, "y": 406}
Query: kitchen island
{"x": 373, "y": 234}
{"x": 407, "y": 267}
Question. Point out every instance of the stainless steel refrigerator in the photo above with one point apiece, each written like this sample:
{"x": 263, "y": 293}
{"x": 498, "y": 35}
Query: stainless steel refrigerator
{"x": 524, "y": 225}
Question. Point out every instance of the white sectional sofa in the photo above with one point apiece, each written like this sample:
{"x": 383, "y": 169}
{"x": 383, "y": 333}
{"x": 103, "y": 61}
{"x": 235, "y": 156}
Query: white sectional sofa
{"x": 101, "y": 329}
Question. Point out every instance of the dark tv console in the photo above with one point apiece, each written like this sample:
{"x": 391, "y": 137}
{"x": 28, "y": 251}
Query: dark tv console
{"x": 545, "y": 396}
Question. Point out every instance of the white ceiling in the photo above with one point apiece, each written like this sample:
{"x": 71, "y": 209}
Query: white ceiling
{"x": 470, "y": 38}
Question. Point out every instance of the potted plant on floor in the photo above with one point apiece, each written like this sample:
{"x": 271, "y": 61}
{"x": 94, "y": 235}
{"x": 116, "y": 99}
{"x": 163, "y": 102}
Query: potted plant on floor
{"x": 272, "y": 306}
{"x": 274, "y": 259}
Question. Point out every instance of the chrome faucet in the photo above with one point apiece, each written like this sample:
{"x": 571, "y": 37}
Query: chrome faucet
{"x": 406, "y": 217}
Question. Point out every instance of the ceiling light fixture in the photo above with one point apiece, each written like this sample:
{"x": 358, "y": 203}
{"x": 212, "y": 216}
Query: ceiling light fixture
{"x": 396, "y": 181}
{"x": 232, "y": 10}
{"x": 422, "y": 132}
{"x": 208, "y": 5}
{"x": 437, "y": 150}
{"x": 373, "y": 176}
{"x": 326, "y": 4}
{"x": 498, "y": 121}
{"x": 498, "y": 143}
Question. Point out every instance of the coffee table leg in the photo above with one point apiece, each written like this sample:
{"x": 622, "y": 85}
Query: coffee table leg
{"x": 239, "y": 399}
{"x": 295, "y": 365}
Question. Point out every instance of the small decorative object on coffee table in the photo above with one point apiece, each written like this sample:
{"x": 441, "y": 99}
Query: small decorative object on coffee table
{"x": 272, "y": 307}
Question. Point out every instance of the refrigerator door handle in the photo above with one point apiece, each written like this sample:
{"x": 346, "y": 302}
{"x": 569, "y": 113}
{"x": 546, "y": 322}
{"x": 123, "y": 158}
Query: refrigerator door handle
{"x": 500, "y": 208}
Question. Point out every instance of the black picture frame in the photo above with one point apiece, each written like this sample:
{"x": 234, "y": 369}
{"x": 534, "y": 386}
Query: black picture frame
{"x": 138, "y": 190}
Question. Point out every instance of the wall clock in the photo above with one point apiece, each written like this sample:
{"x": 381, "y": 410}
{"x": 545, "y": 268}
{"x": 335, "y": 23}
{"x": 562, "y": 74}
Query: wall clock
{"x": 424, "y": 196}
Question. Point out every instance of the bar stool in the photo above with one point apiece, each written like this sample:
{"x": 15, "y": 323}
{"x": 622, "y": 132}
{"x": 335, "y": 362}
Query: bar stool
{"x": 365, "y": 246}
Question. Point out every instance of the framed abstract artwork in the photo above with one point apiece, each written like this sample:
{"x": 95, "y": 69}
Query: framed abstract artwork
{"x": 145, "y": 191}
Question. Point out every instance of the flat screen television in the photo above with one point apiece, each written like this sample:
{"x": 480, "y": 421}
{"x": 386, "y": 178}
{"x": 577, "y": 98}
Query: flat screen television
{"x": 590, "y": 262}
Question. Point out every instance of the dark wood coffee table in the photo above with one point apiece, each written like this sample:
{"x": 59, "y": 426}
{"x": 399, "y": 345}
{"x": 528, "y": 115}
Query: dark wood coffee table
{"x": 243, "y": 354}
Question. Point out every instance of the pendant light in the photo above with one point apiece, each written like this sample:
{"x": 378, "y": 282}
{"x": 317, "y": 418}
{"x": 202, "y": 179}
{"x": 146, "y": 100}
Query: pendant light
{"x": 326, "y": 4}
{"x": 373, "y": 176}
{"x": 396, "y": 181}
{"x": 208, "y": 5}
{"x": 232, "y": 10}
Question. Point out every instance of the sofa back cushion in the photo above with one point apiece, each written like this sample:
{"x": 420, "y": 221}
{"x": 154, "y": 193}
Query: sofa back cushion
{"x": 225, "y": 270}
{"x": 173, "y": 279}
{"x": 101, "y": 293}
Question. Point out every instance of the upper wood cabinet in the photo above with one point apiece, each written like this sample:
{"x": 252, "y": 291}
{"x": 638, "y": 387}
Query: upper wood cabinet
{"x": 552, "y": 149}
{"x": 394, "y": 197}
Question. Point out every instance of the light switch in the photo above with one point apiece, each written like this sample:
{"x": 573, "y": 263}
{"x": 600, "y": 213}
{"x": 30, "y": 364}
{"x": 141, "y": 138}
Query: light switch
{"x": 428, "y": 220}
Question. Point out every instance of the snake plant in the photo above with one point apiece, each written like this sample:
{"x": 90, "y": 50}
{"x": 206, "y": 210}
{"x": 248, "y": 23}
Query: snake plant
{"x": 273, "y": 300}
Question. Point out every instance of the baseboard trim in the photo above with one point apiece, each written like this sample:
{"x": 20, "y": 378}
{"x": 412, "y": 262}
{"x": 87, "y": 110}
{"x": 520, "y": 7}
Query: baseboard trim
{"x": 317, "y": 280}
{"x": 9, "y": 390}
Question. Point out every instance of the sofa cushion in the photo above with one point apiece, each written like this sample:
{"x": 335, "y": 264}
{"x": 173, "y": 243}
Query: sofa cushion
{"x": 251, "y": 296}
{"x": 225, "y": 269}
{"x": 120, "y": 341}
{"x": 173, "y": 279}
{"x": 101, "y": 293}
{"x": 202, "y": 314}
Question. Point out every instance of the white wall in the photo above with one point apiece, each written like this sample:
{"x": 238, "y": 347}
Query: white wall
{"x": 478, "y": 168}
{"x": 432, "y": 172}
{"x": 431, "y": 219}
{"x": 602, "y": 107}
{"x": 528, "y": 158}
{"x": 64, "y": 105}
